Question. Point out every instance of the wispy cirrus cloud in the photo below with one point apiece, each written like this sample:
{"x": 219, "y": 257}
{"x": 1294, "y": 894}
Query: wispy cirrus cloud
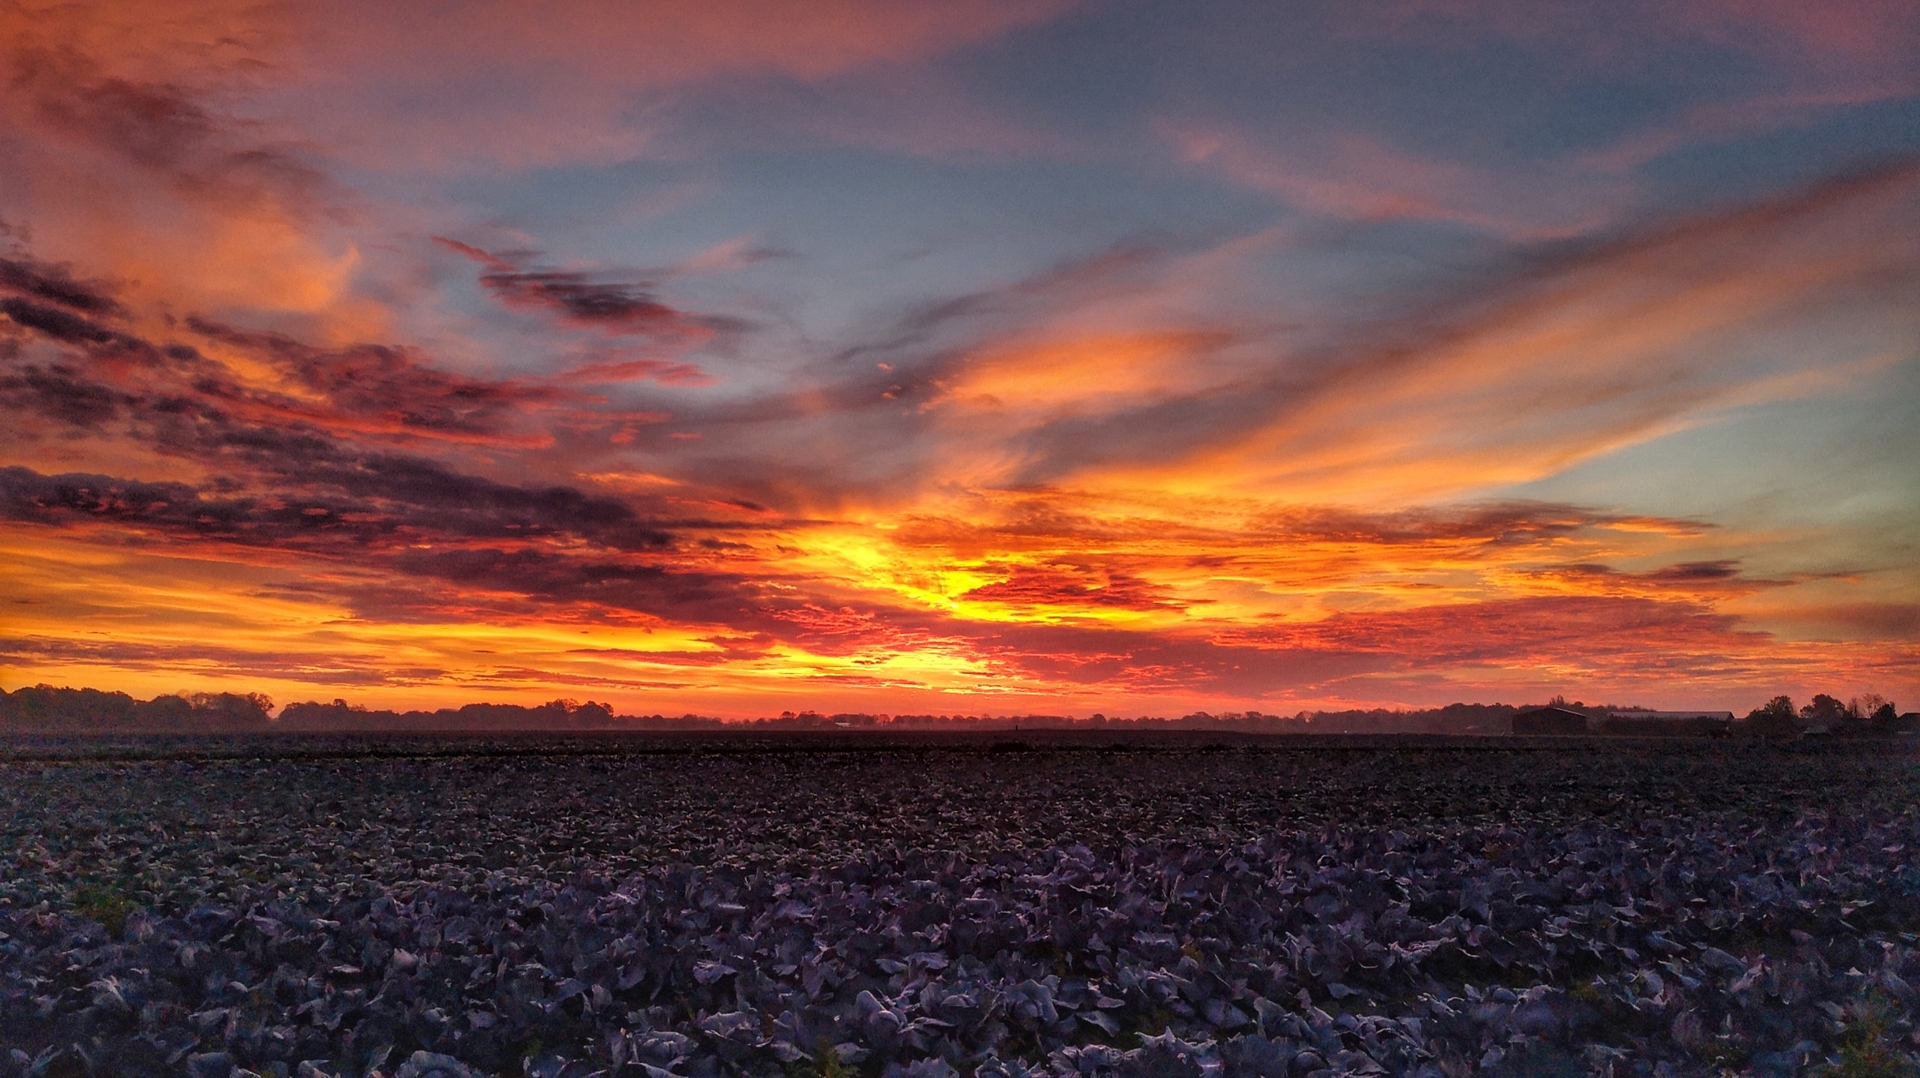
{"x": 1349, "y": 176}
{"x": 592, "y": 83}
{"x": 1859, "y": 36}
{"x": 1101, "y": 376}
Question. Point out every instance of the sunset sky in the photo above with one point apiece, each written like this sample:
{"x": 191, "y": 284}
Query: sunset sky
{"x": 971, "y": 356}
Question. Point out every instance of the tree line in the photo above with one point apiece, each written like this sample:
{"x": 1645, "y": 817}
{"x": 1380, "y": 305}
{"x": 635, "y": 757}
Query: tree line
{"x": 44, "y": 709}
{"x": 1869, "y": 715}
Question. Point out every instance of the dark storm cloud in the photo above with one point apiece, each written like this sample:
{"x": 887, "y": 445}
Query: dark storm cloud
{"x": 688, "y": 594}
{"x": 1539, "y": 629}
{"x": 617, "y": 308}
{"x": 1696, "y": 572}
{"x": 370, "y": 388}
{"x": 53, "y": 284}
{"x": 158, "y": 127}
{"x": 414, "y": 520}
{"x": 180, "y": 510}
{"x": 476, "y": 506}
{"x": 60, "y": 325}
{"x": 26, "y": 494}
{"x": 302, "y": 463}
{"x": 1722, "y": 578}
{"x": 1127, "y": 660}
{"x": 1496, "y": 525}
{"x": 578, "y": 299}
{"x": 1075, "y": 586}
{"x": 383, "y": 382}
{"x": 328, "y": 503}
{"x": 59, "y": 392}
{"x": 1596, "y": 635}
{"x": 1501, "y": 528}
{"x": 312, "y": 668}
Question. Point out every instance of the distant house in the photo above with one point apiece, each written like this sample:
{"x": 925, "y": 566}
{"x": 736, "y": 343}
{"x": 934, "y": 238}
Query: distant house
{"x": 1644, "y": 723}
{"x": 1549, "y": 721}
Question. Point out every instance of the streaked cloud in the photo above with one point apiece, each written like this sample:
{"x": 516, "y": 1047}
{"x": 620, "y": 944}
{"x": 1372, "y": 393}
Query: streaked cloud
{"x": 884, "y": 356}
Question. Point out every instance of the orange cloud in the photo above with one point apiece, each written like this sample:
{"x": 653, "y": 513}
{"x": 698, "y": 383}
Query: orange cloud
{"x": 187, "y": 149}
{"x": 1614, "y": 346}
{"x": 117, "y": 149}
{"x": 1108, "y": 379}
{"x": 1162, "y": 475}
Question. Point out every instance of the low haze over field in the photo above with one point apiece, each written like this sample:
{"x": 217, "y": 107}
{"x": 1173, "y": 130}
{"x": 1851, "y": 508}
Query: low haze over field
{"x": 972, "y": 357}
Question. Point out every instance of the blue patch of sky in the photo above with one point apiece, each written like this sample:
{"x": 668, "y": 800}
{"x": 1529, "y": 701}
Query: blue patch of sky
{"x": 1843, "y": 457}
{"x": 1749, "y": 166}
{"x": 872, "y": 232}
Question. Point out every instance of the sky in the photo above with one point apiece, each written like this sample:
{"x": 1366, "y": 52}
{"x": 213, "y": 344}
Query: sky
{"x": 962, "y": 357}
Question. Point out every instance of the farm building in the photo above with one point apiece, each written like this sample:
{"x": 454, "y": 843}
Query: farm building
{"x": 1638, "y": 723}
{"x": 1548, "y": 721}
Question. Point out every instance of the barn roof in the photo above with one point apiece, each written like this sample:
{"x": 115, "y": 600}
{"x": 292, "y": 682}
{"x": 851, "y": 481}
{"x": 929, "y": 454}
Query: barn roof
{"x": 1675, "y": 716}
{"x": 1533, "y": 712}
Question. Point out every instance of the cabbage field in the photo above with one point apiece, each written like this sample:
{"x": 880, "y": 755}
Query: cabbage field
{"x": 708, "y": 907}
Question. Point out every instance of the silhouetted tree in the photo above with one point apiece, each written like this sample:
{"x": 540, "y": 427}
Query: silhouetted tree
{"x": 1862, "y": 709}
{"x": 1775, "y": 718}
{"x": 1824, "y": 710}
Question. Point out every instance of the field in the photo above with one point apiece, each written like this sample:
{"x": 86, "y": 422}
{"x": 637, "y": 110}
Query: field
{"x": 941, "y": 905}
